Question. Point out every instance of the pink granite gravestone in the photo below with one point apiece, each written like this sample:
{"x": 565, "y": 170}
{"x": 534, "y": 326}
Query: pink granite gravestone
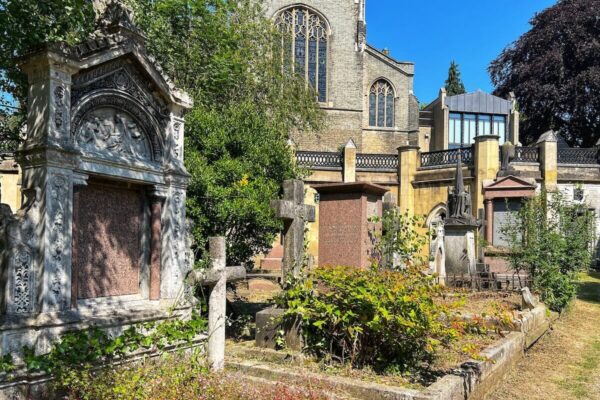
{"x": 344, "y": 213}
{"x": 107, "y": 228}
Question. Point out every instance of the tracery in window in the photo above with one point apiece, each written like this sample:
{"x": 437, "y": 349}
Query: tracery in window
{"x": 381, "y": 104}
{"x": 308, "y": 47}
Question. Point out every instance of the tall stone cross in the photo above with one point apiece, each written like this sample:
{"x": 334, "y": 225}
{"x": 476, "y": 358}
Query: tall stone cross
{"x": 217, "y": 277}
{"x": 294, "y": 213}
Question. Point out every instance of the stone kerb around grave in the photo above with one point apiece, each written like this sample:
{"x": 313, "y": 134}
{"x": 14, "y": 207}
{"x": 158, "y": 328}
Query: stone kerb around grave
{"x": 100, "y": 238}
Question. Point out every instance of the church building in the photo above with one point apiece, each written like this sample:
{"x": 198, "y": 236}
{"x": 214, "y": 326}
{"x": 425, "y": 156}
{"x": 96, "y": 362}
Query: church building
{"x": 367, "y": 94}
{"x": 377, "y": 134}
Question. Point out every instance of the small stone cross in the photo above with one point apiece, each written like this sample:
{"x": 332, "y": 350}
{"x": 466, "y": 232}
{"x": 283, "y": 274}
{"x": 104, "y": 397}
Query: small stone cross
{"x": 294, "y": 214}
{"x": 217, "y": 276}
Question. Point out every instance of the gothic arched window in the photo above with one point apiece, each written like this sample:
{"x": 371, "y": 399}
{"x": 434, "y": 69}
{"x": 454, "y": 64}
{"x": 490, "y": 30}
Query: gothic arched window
{"x": 381, "y": 104}
{"x": 308, "y": 47}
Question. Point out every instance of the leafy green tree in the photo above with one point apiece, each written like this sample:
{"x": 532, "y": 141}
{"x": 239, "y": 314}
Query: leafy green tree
{"x": 25, "y": 25}
{"x": 554, "y": 71}
{"x": 550, "y": 239}
{"x": 226, "y": 54}
{"x": 454, "y": 84}
{"x": 399, "y": 244}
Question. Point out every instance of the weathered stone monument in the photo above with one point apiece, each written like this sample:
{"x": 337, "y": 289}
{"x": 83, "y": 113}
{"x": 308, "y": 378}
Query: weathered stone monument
{"x": 100, "y": 236}
{"x": 294, "y": 214}
{"x": 528, "y": 302}
{"x": 437, "y": 264}
{"x": 217, "y": 277}
{"x": 459, "y": 229}
{"x": 344, "y": 227}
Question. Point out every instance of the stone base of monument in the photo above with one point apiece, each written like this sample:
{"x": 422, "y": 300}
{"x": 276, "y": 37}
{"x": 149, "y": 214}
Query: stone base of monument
{"x": 269, "y": 327}
{"x": 459, "y": 245}
{"x": 41, "y": 331}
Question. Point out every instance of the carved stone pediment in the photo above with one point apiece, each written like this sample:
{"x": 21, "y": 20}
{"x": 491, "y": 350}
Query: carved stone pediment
{"x": 113, "y": 132}
{"x": 121, "y": 76}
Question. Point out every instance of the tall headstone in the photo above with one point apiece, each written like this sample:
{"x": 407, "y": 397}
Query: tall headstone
{"x": 294, "y": 213}
{"x": 459, "y": 229}
{"x": 101, "y": 233}
{"x": 345, "y": 229}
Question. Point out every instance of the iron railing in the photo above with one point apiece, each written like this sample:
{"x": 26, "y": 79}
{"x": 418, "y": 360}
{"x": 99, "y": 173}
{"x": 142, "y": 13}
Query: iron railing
{"x": 578, "y": 156}
{"x": 488, "y": 281}
{"x": 320, "y": 160}
{"x": 377, "y": 162}
{"x": 527, "y": 154}
{"x": 447, "y": 157}
{"x": 7, "y": 148}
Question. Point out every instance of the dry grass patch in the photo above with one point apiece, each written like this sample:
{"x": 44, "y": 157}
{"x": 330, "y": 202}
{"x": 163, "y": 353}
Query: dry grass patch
{"x": 565, "y": 364}
{"x": 480, "y": 303}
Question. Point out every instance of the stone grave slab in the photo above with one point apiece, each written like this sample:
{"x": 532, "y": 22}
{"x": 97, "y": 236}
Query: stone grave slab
{"x": 344, "y": 213}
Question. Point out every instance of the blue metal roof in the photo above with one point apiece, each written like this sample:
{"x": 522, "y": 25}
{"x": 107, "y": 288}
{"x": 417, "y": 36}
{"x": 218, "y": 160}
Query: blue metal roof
{"x": 478, "y": 102}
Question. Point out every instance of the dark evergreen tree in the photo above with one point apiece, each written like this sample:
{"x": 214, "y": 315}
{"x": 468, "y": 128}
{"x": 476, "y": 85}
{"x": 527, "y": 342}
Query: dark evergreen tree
{"x": 554, "y": 71}
{"x": 454, "y": 84}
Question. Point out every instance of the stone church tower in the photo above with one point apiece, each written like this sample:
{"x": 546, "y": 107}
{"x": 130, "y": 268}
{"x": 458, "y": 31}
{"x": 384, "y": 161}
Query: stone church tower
{"x": 367, "y": 94}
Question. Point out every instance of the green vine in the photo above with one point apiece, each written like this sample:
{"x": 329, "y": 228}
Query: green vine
{"x": 94, "y": 346}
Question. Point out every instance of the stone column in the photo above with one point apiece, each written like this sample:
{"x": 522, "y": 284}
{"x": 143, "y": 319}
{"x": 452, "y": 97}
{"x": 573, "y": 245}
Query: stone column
{"x": 216, "y": 305}
{"x": 350, "y": 162}
{"x": 489, "y": 220}
{"x": 41, "y": 268}
{"x": 176, "y": 129}
{"x": 548, "y": 145}
{"x": 155, "y": 246}
{"x": 486, "y": 159}
{"x": 173, "y": 254}
{"x": 408, "y": 163}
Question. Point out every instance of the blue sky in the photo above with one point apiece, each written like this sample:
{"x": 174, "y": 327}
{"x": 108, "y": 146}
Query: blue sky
{"x": 434, "y": 32}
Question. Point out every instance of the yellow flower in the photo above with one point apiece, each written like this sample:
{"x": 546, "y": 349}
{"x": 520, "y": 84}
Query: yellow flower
{"x": 244, "y": 180}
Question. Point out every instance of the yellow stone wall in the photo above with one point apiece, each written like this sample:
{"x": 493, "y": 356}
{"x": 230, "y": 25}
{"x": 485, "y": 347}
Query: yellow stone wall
{"x": 10, "y": 185}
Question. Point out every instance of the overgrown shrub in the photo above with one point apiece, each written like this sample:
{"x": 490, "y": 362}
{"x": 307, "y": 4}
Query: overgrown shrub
{"x": 550, "y": 238}
{"x": 381, "y": 318}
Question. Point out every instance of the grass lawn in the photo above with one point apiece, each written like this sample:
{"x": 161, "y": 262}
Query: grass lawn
{"x": 564, "y": 364}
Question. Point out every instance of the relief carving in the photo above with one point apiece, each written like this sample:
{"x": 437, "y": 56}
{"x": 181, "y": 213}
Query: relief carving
{"x": 22, "y": 281}
{"x": 58, "y": 191}
{"x": 121, "y": 76}
{"x": 59, "y": 94}
{"x": 176, "y": 133}
{"x": 110, "y": 131}
{"x": 19, "y": 237}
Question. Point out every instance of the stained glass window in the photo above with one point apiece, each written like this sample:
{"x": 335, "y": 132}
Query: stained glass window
{"x": 309, "y": 37}
{"x": 381, "y": 104}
